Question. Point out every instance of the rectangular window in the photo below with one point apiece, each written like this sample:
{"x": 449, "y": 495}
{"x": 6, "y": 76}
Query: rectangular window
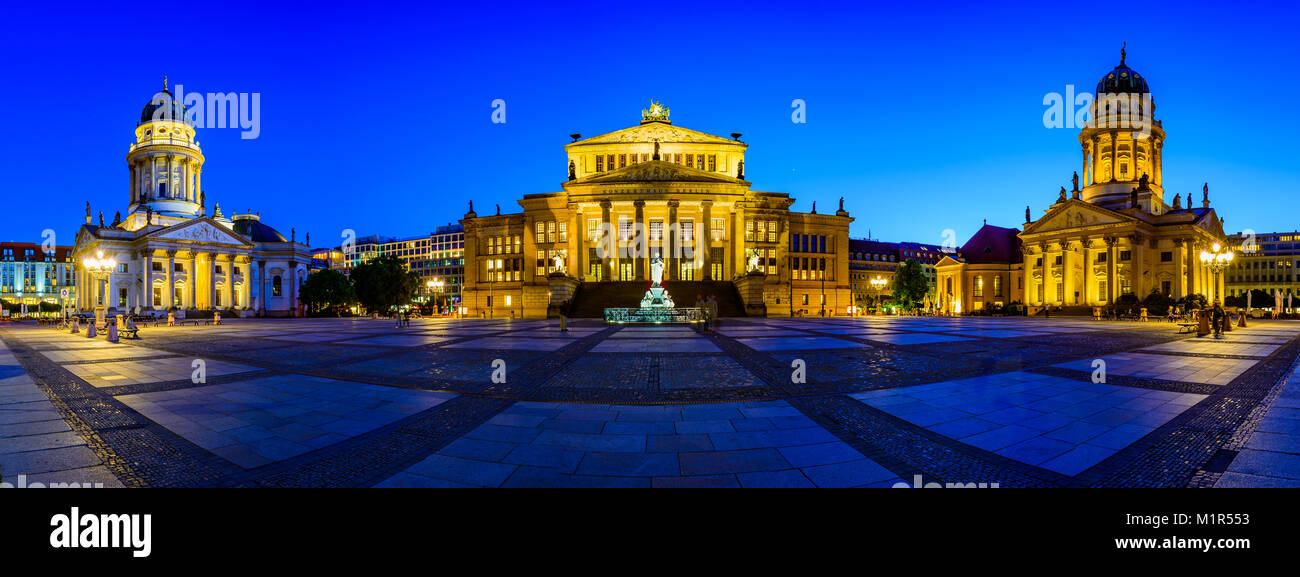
{"x": 550, "y": 231}
{"x": 564, "y": 231}
{"x": 540, "y": 228}
{"x": 600, "y": 167}
{"x": 157, "y": 297}
{"x": 713, "y": 163}
{"x": 1125, "y": 255}
{"x": 541, "y": 263}
{"x": 771, "y": 231}
{"x": 656, "y": 230}
{"x": 717, "y": 227}
{"x": 686, "y": 231}
{"x": 609, "y": 161}
{"x": 593, "y": 230}
{"x": 622, "y": 160}
{"x": 699, "y": 161}
{"x": 978, "y": 291}
{"x": 690, "y": 161}
{"x": 624, "y": 229}
{"x": 749, "y": 231}
{"x": 1167, "y": 256}
{"x": 997, "y": 286}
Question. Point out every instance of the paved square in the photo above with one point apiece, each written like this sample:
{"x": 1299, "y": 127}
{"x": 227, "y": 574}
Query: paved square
{"x": 808, "y": 402}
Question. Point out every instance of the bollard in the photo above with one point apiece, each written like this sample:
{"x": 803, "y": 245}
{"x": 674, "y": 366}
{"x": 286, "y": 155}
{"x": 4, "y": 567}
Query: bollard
{"x": 216, "y": 318}
{"x": 76, "y": 325}
{"x": 90, "y": 330}
{"x": 171, "y": 319}
{"x": 112, "y": 332}
{"x": 1143, "y": 318}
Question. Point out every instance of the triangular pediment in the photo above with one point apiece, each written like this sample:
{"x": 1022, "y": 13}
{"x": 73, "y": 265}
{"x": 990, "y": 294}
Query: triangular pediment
{"x": 656, "y": 131}
{"x": 657, "y": 171}
{"x": 1074, "y": 214}
{"x": 204, "y": 230}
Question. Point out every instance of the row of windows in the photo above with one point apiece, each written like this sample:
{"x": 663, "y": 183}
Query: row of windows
{"x": 807, "y": 243}
{"x": 551, "y": 231}
{"x": 607, "y": 162}
{"x": 510, "y": 269}
{"x": 761, "y": 230}
{"x": 512, "y": 244}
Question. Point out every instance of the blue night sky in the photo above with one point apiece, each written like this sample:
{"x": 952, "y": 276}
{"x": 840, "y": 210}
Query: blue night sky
{"x": 379, "y": 119}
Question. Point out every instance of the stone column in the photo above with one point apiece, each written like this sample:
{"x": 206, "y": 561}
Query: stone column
{"x": 1111, "y": 254}
{"x": 1179, "y": 278}
{"x": 642, "y": 260}
{"x": 1067, "y": 274}
{"x": 170, "y": 298}
{"x": 1137, "y": 266}
{"x": 672, "y": 240}
{"x": 198, "y": 183}
{"x": 148, "y": 279}
{"x": 574, "y": 262}
{"x": 1049, "y": 287}
{"x": 192, "y": 293}
{"x": 735, "y": 257}
{"x": 212, "y": 281}
{"x": 606, "y": 230}
{"x": 706, "y": 222}
{"x": 1114, "y": 159}
{"x": 228, "y": 294}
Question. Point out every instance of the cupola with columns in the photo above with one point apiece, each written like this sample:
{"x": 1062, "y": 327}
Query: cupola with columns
{"x": 165, "y": 164}
{"x": 1123, "y": 142}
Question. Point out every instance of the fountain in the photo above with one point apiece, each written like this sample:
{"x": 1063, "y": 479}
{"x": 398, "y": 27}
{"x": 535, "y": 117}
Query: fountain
{"x": 656, "y": 306}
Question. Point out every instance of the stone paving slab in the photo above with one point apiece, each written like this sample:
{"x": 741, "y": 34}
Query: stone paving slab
{"x": 1211, "y": 371}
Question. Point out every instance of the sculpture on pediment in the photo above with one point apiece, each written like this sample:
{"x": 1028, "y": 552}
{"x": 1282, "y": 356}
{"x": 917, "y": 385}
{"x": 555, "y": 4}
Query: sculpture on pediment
{"x": 471, "y": 206}
{"x": 740, "y": 170}
{"x": 1075, "y": 180}
{"x": 1178, "y": 204}
{"x": 307, "y": 240}
{"x": 1061, "y": 197}
{"x": 87, "y": 211}
{"x": 293, "y": 234}
{"x": 1133, "y": 198}
{"x": 117, "y": 219}
{"x": 498, "y": 209}
{"x": 1027, "y": 219}
{"x": 1205, "y": 194}
{"x": 101, "y": 218}
{"x": 814, "y": 208}
{"x": 573, "y": 171}
{"x": 656, "y": 153}
{"x": 841, "y": 204}
{"x": 1144, "y": 182}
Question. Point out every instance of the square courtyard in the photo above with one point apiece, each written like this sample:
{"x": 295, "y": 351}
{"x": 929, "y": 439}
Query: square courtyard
{"x": 833, "y": 402}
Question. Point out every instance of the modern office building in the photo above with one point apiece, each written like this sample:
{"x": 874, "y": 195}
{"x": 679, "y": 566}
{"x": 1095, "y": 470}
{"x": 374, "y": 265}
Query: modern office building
{"x": 1264, "y": 261}
{"x": 30, "y": 274}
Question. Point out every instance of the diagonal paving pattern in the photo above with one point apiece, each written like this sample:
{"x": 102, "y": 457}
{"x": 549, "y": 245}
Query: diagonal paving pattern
{"x": 347, "y": 402}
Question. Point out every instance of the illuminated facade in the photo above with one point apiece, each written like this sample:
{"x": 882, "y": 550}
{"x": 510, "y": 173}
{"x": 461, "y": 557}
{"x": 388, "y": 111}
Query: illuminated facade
{"x": 1265, "y": 261}
{"x": 1117, "y": 234}
{"x": 169, "y": 253}
{"x": 649, "y": 191}
{"x": 987, "y": 271}
{"x": 872, "y": 264}
{"x": 31, "y": 275}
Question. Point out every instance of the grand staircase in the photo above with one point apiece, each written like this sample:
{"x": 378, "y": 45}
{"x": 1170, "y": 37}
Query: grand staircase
{"x": 594, "y": 297}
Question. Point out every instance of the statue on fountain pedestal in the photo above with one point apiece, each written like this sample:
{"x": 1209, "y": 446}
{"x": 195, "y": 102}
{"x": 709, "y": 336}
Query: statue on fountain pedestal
{"x": 657, "y": 296}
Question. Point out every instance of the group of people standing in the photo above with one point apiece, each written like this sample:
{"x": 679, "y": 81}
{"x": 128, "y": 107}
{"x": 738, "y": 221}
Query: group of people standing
{"x": 708, "y": 306}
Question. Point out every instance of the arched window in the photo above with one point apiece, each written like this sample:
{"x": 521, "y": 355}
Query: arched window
{"x": 275, "y": 286}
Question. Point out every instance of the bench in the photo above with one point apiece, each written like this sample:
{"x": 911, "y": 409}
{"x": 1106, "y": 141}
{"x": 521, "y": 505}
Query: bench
{"x": 1186, "y": 327}
{"x": 130, "y": 332}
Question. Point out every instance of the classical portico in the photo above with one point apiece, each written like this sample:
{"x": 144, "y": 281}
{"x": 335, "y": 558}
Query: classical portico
{"x": 169, "y": 253}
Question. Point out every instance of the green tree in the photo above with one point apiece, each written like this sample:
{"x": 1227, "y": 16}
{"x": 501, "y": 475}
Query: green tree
{"x": 910, "y": 284}
{"x": 326, "y": 289}
{"x": 383, "y": 283}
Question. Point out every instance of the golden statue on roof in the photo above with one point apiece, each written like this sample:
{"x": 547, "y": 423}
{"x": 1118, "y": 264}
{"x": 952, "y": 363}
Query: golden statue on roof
{"x": 655, "y": 112}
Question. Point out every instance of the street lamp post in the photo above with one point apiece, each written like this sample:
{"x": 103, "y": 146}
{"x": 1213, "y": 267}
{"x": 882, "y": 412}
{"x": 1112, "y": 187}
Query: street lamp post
{"x": 435, "y": 287}
{"x": 1216, "y": 259}
{"x": 99, "y": 269}
{"x": 877, "y": 285}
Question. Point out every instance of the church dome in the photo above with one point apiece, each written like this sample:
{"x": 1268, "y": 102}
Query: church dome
{"x": 1122, "y": 80}
{"x": 163, "y": 106}
{"x": 251, "y": 227}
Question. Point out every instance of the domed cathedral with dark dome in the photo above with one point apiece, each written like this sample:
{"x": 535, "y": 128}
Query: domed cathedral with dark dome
{"x": 1114, "y": 231}
{"x": 171, "y": 252}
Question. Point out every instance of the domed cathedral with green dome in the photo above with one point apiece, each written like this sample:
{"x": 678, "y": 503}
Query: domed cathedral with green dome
{"x": 169, "y": 252}
{"x": 1116, "y": 231}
